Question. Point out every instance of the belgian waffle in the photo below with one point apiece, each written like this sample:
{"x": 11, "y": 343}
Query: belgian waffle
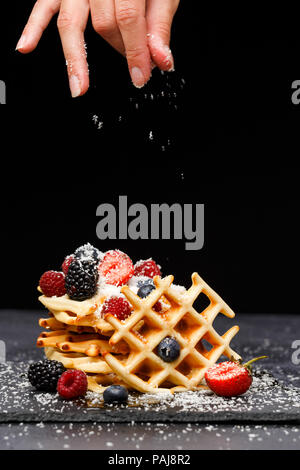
{"x": 98, "y": 372}
{"x": 89, "y": 344}
{"x": 142, "y": 368}
{"x": 124, "y": 352}
{"x": 74, "y": 313}
{"x": 71, "y": 360}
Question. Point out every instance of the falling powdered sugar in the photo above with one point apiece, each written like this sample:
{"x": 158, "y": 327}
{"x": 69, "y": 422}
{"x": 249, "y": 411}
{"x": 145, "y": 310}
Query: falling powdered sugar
{"x": 161, "y": 97}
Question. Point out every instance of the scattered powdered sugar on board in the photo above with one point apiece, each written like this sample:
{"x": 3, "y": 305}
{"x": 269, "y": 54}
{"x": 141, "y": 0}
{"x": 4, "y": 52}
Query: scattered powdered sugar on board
{"x": 267, "y": 400}
{"x": 149, "y": 435}
{"x": 265, "y": 391}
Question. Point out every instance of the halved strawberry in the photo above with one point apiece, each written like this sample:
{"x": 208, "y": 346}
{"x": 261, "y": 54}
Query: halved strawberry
{"x": 116, "y": 267}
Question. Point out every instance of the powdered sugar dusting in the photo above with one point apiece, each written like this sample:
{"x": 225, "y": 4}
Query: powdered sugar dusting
{"x": 108, "y": 290}
{"x": 87, "y": 252}
{"x": 266, "y": 393}
{"x": 267, "y": 399}
{"x": 179, "y": 289}
{"x": 141, "y": 262}
{"x": 135, "y": 282}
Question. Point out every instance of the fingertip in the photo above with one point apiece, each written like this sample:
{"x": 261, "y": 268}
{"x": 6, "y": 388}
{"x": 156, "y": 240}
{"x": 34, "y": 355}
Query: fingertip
{"x": 163, "y": 58}
{"x": 75, "y": 86}
{"x": 139, "y": 77}
{"x": 161, "y": 53}
{"x": 25, "y": 50}
{"x": 140, "y": 70}
{"x": 21, "y": 45}
{"x": 168, "y": 60}
{"x": 78, "y": 85}
{"x": 25, "y": 45}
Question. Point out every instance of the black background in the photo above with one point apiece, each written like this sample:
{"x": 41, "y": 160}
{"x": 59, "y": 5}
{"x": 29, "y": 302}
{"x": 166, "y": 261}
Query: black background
{"x": 232, "y": 144}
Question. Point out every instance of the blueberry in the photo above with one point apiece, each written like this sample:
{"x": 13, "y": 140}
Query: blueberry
{"x": 115, "y": 394}
{"x": 168, "y": 349}
{"x": 145, "y": 290}
{"x": 149, "y": 280}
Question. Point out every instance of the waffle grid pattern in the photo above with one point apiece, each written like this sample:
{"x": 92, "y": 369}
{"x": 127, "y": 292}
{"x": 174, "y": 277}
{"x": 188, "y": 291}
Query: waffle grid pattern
{"x": 143, "y": 369}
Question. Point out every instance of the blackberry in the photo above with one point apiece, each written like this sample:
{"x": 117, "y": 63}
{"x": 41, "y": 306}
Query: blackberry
{"x": 88, "y": 252}
{"x": 82, "y": 279}
{"x": 44, "y": 375}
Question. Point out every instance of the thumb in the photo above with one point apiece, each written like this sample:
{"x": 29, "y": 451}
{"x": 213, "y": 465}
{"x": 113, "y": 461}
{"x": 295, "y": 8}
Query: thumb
{"x": 159, "y": 17}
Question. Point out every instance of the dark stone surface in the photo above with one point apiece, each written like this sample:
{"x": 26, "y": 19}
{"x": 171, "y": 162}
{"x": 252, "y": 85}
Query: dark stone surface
{"x": 268, "y": 400}
{"x": 115, "y": 437}
{"x": 274, "y": 397}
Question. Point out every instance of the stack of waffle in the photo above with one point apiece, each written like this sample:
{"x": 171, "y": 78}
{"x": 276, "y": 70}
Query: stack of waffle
{"x": 124, "y": 352}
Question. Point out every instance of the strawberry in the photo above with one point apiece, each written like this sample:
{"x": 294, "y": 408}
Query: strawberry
{"x": 116, "y": 267}
{"x": 146, "y": 268}
{"x": 53, "y": 283}
{"x": 117, "y": 306}
{"x": 230, "y": 378}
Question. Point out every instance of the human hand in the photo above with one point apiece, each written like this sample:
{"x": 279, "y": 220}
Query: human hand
{"x": 138, "y": 29}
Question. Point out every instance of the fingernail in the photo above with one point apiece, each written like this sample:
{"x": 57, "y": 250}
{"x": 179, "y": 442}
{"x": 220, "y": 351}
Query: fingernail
{"x": 137, "y": 77}
{"x": 74, "y": 86}
{"x": 22, "y": 42}
{"x": 169, "y": 60}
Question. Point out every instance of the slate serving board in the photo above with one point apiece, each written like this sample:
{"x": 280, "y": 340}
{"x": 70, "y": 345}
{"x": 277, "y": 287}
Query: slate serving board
{"x": 268, "y": 401}
{"x": 274, "y": 395}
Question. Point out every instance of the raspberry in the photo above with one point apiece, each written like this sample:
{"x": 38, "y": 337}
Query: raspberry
{"x": 82, "y": 279}
{"x": 162, "y": 305}
{"x": 116, "y": 267}
{"x": 65, "y": 266}
{"x": 53, "y": 283}
{"x": 117, "y": 306}
{"x": 158, "y": 306}
{"x": 43, "y": 375}
{"x": 146, "y": 268}
{"x": 73, "y": 383}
